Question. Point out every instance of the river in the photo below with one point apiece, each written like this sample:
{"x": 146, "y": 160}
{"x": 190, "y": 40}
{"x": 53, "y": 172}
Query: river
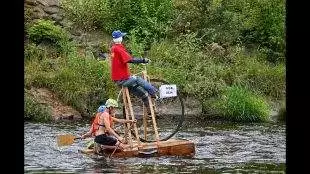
{"x": 220, "y": 148}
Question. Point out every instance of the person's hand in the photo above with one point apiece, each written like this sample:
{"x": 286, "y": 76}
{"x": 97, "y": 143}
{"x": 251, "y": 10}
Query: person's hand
{"x": 133, "y": 121}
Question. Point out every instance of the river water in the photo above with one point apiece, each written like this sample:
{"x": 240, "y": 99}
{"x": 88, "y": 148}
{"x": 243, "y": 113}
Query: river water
{"x": 220, "y": 148}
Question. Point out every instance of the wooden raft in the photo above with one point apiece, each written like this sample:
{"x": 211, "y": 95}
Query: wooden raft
{"x": 170, "y": 147}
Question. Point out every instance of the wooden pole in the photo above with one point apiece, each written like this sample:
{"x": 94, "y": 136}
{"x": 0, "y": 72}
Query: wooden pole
{"x": 132, "y": 115}
{"x": 144, "y": 112}
{"x": 127, "y": 117}
{"x": 145, "y": 122}
{"x": 152, "y": 112}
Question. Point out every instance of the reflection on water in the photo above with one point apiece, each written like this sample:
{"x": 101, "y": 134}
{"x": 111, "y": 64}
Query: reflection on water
{"x": 220, "y": 148}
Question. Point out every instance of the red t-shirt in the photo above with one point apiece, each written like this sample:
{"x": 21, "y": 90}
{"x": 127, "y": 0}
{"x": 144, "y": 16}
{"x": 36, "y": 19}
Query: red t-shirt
{"x": 119, "y": 59}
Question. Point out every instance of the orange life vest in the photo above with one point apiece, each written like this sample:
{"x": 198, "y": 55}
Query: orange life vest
{"x": 96, "y": 124}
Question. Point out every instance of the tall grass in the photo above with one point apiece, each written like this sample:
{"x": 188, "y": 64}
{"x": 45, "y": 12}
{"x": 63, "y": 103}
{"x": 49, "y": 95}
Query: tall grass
{"x": 179, "y": 54}
{"x": 240, "y": 104}
{"x": 36, "y": 111}
{"x": 81, "y": 82}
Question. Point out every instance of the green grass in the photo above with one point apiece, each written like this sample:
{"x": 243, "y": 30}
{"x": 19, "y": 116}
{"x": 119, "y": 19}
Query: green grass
{"x": 233, "y": 84}
{"x": 81, "y": 82}
{"x": 35, "y": 111}
{"x": 240, "y": 104}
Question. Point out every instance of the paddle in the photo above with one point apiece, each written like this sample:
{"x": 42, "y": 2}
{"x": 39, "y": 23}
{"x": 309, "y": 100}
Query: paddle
{"x": 65, "y": 140}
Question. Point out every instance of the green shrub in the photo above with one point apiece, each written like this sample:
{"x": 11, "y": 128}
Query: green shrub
{"x": 249, "y": 70}
{"x": 31, "y": 52}
{"x": 239, "y": 104}
{"x": 83, "y": 83}
{"x": 194, "y": 70}
{"x": 258, "y": 23}
{"x": 88, "y": 14}
{"x": 47, "y": 32}
{"x": 150, "y": 20}
{"x": 35, "y": 111}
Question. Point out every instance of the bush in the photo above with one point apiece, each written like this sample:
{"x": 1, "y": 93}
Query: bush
{"x": 31, "y": 52}
{"x": 239, "y": 104}
{"x": 149, "y": 20}
{"x": 258, "y": 23}
{"x": 35, "y": 111}
{"x": 261, "y": 76}
{"x": 87, "y": 14}
{"x": 47, "y": 32}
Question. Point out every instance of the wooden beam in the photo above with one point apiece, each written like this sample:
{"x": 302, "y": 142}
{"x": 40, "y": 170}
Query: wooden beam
{"x": 127, "y": 117}
{"x": 152, "y": 113}
{"x": 132, "y": 115}
{"x": 170, "y": 147}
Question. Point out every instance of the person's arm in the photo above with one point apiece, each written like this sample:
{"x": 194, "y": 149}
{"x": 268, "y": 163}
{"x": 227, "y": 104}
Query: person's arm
{"x": 126, "y": 57}
{"x": 87, "y": 134}
{"x": 138, "y": 60}
{"x": 123, "y": 120}
{"x": 107, "y": 125}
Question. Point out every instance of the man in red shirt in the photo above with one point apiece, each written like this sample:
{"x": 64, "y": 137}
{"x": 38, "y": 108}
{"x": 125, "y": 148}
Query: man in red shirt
{"x": 120, "y": 72}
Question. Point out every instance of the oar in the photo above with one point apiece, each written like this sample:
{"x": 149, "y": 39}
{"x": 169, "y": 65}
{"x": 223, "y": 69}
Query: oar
{"x": 65, "y": 140}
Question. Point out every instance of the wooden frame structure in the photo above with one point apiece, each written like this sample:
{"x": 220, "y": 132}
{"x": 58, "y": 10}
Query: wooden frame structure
{"x": 172, "y": 147}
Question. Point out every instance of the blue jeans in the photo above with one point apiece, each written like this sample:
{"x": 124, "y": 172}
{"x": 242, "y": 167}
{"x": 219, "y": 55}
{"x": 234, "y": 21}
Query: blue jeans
{"x": 139, "y": 87}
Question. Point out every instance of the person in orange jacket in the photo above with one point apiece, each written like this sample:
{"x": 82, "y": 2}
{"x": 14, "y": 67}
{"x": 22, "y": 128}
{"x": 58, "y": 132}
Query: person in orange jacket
{"x": 102, "y": 126}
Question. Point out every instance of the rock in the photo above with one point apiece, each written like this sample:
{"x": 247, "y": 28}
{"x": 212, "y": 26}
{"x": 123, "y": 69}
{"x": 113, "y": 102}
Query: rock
{"x": 49, "y": 2}
{"x": 43, "y": 9}
{"x": 51, "y": 10}
{"x": 39, "y": 13}
{"x": 60, "y": 111}
{"x": 31, "y": 2}
{"x": 56, "y": 17}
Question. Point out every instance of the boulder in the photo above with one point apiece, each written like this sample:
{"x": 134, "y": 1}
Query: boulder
{"x": 39, "y": 13}
{"x": 56, "y": 17}
{"x": 51, "y": 10}
{"x": 43, "y": 9}
{"x": 49, "y": 2}
{"x": 31, "y": 2}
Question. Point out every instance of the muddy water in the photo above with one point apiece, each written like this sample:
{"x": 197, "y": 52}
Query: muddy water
{"x": 220, "y": 148}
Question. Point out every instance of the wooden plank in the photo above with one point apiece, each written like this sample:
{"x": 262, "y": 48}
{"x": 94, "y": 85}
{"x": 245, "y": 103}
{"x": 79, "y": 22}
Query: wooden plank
{"x": 145, "y": 122}
{"x": 132, "y": 115}
{"x": 166, "y": 148}
{"x": 144, "y": 114}
{"x": 127, "y": 117}
{"x": 152, "y": 114}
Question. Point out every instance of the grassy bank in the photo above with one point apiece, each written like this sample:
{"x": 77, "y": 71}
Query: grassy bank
{"x": 35, "y": 111}
{"x": 234, "y": 80}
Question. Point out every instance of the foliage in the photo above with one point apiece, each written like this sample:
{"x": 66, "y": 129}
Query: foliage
{"x": 149, "y": 20}
{"x": 251, "y": 22}
{"x": 179, "y": 36}
{"x": 88, "y": 14}
{"x": 81, "y": 82}
{"x": 239, "y": 104}
{"x": 261, "y": 76}
{"x": 47, "y": 32}
{"x": 35, "y": 111}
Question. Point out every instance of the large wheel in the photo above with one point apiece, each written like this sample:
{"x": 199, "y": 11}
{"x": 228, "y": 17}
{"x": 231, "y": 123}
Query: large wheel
{"x": 169, "y": 114}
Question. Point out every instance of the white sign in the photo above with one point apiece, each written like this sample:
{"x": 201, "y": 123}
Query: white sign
{"x": 167, "y": 91}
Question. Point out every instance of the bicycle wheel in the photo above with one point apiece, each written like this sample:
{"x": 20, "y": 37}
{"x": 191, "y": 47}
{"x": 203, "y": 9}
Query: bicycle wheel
{"x": 169, "y": 114}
